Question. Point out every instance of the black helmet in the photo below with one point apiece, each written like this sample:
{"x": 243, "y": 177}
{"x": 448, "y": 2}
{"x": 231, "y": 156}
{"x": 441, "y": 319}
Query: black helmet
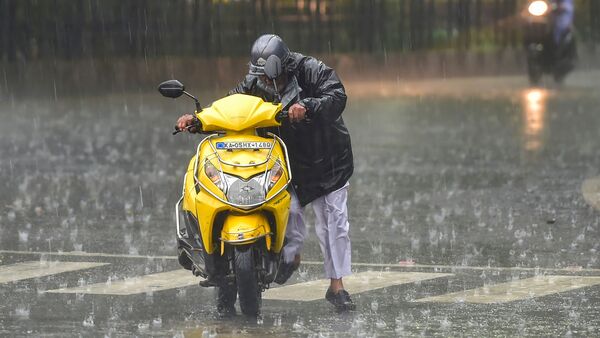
{"x": 265, "y": 46}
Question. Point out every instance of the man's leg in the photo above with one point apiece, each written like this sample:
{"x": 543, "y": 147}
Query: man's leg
{"x": 332, "y": 228}
{"x": 226, "y": 296}
{"x": 294, "y": 234}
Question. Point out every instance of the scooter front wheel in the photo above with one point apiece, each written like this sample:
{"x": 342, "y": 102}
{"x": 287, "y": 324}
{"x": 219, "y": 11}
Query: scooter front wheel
{"x": 249, "y": 293}
{"x": 534, "y": 71}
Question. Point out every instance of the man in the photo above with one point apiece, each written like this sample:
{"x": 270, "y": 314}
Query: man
{"x": 320, "y": 155}
{"x": 565, "y": 49}
{"x": 563, "y": 19}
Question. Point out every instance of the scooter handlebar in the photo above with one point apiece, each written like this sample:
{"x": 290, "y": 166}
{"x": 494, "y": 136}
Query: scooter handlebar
{"x": 282, "y": 115}
{"x": 197, "y": 126}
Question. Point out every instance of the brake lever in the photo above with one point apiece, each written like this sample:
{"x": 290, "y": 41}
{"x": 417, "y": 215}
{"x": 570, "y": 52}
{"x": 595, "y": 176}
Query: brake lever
{"x": 177, "y": 130}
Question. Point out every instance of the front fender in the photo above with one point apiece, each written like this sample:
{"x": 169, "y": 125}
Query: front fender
{"x": 245, "y": 229}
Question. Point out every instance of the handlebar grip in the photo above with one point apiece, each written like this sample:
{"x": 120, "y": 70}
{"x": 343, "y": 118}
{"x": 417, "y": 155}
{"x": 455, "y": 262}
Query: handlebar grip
{"x": 197, "y": 125}
{"x": 284, "y": 114}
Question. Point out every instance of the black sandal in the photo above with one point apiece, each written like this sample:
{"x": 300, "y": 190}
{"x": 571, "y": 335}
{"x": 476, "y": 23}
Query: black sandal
{"x": 341, "y": 300}
{"x": 285, "y": 271}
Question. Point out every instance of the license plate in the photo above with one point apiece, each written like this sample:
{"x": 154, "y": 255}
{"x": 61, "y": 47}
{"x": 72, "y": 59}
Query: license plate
{"x": 244, "y": 145}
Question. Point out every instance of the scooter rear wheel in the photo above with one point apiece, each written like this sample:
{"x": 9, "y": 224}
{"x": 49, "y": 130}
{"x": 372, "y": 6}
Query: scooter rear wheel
{"x": 249, "y": 293}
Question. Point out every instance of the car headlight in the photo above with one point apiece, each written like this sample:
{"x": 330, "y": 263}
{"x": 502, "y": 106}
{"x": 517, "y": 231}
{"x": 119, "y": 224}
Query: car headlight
{"x": 538, "y": 8}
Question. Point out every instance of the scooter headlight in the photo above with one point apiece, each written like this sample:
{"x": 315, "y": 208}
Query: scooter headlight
{"x": 242, "y": 192}
{"x": 214, "y": 175}
{"x": 538, "y": 8}
{"x": 274, "y": 175}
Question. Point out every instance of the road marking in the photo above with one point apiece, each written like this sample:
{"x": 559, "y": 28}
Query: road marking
{"x": 516, "y": 290}
{"x": 308, "y": 291}
{"x": 591, "y": 192}
{"x": 83, "y": 254}
{"x": 356, "y": 283}
{"x": 33, "y": 269}
{"x": 129, "y": 286}
{"x": 436, "y": 268}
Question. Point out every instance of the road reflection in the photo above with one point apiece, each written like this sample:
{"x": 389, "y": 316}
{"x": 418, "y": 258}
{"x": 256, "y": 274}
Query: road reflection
{"x": 534, "y": 101}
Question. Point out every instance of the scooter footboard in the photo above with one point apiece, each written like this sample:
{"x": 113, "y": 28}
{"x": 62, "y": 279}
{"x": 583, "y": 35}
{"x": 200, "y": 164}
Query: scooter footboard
{"x": 245, "y": 229}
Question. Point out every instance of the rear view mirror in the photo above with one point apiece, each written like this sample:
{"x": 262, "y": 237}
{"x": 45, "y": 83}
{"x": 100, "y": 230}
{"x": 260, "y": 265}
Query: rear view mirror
{"x": 171, "y": 88}
{"x": 273, "y": 67}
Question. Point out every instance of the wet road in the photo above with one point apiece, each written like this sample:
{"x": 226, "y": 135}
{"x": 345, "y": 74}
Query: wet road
{"x": 494, "y": 192}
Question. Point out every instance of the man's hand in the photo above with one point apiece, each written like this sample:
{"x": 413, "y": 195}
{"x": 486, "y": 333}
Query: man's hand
{"x": 184, "y": 121}
{"x": 297, "y": 112}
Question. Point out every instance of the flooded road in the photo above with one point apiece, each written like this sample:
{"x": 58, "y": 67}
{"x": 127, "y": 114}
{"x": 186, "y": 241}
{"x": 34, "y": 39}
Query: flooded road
{"x": 492, "y": 193}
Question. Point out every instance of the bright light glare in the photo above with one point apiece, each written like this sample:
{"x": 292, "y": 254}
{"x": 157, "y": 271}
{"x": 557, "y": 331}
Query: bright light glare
{"x": 535, "y": 100}
{"x": 534, "y": 118}
{"x": 534, "y": 96}
{"x": 538, "y": 8}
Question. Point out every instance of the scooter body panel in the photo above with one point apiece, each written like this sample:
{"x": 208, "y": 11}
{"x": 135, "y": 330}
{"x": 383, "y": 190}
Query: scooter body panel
{"x": 235, "y": 185}
{"x": 238, "y": 112}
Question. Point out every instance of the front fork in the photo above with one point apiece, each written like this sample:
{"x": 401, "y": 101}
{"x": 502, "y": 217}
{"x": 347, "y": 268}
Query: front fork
{"x": 266, "y": 263}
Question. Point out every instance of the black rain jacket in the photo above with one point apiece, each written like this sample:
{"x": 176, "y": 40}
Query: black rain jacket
{"x": 319, "y": 147}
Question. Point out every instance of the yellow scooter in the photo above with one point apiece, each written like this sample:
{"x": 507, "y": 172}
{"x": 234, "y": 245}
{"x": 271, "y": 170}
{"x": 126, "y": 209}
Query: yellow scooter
{"x": 232, "y": 217}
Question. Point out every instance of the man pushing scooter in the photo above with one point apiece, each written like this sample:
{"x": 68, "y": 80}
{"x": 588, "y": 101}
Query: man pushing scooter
{"x": 320, "y": 154}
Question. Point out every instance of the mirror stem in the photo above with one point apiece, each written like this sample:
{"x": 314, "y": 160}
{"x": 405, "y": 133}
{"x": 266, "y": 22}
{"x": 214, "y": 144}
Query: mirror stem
{"x": 277, "y": 95}
{"x": 198, "y": 107}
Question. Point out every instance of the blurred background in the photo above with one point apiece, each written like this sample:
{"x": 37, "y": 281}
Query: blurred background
{"x": 442, "y": 116}
{"x": 459, "y": 161}
{"x": 443, "y": 120}
{"x": 64, "y": 47}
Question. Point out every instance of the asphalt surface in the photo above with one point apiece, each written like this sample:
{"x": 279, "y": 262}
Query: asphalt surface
{"x": 493, "y": 188}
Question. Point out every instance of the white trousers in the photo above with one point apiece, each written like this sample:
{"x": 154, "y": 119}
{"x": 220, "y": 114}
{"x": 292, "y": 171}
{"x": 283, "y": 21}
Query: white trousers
{"x": 331, "y": 226}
